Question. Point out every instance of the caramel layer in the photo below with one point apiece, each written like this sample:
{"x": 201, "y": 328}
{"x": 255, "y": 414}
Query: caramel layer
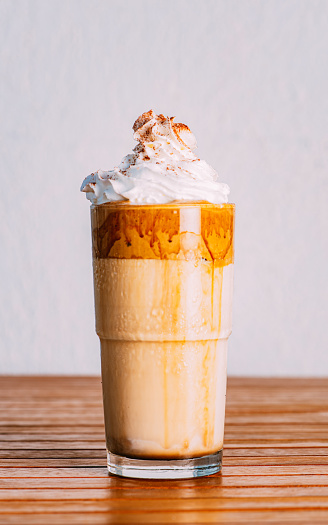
{"x": 126, "y": 231}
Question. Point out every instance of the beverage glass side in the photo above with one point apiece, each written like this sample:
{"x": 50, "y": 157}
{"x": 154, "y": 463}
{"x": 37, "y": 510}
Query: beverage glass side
{"x": 163, "y": 277}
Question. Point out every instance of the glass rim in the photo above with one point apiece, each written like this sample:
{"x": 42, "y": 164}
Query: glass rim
{"x": 168, "y": 205}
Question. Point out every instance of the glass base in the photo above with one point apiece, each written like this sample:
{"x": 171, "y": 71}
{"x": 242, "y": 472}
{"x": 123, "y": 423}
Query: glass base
{"x": 164, "y": 469}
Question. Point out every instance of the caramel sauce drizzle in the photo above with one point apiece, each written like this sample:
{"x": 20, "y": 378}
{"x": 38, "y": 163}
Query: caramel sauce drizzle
{"x": 152, "y": 232}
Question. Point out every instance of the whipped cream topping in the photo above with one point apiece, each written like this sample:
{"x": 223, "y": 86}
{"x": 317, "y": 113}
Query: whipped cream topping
{"x": 161, "y": 169}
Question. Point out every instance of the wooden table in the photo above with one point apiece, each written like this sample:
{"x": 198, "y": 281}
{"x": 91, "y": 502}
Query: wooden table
{"x": 53, "y": 461}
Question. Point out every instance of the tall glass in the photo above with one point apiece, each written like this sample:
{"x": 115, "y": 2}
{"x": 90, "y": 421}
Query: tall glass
{"x": 163, "y": 278}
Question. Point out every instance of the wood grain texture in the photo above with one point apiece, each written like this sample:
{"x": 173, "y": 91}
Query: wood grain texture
{"x": 53, "y": 460}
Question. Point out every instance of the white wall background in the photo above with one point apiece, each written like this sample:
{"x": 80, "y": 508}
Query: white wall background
{"x": 249, "y": 77}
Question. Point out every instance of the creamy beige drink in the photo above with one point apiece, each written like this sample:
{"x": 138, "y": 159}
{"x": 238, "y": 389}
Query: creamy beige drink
{"x": 163, "y": 275}
{"x": 163, "y": 314}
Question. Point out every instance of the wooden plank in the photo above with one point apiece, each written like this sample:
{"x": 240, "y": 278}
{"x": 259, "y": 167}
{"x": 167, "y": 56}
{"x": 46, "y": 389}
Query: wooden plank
{"x": 99, "y": 462}
{"x": 277, "y": 461}
{"x": 53, "y": 445}
{"x": 67, "y": 442}
{"x": 72, "y": 462}
{"x": 55, "y": 454}
{"x": 280, "y": 517}
{"x": 42, "y": 484}
{"x": 63, "y": 472}
{"x": 95, "y": 472}
{"x": 208, "y": 497}
{"x": 91, "y": 452}
{"x": 156, "y": 505}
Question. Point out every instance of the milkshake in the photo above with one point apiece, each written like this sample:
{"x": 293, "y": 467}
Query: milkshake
{"x": 163, "y": 274}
